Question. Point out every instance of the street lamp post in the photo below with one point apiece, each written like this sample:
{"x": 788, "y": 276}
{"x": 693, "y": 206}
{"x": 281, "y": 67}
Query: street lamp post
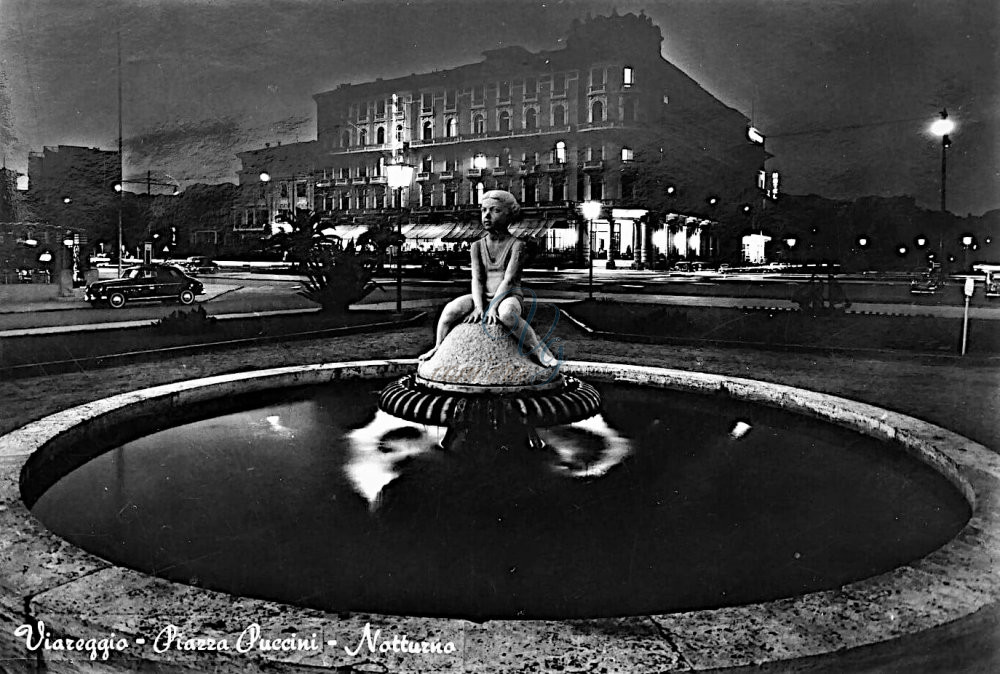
{"x": 265, "y": 178}
{"x": 943, "y": 127}
{"x": 398, "y": 176}
{"x": 591, "y": 211}
{"x": 966, "y": 245}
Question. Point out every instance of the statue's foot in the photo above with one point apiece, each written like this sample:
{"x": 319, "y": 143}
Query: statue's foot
{"x": 545, "y": 358}
{"x": 428, "y": 355}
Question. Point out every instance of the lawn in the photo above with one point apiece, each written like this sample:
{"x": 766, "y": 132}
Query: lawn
{"x": 770, "y": 328}
{"x": 184, "y": 329}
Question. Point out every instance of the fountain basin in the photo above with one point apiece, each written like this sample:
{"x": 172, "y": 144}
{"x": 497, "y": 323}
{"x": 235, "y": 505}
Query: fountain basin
{"x": 59, "y": 581}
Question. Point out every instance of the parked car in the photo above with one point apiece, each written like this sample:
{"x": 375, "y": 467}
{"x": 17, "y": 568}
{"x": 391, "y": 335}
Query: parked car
{"x": 146, "y": 282}
{"x": 200, "y": 265}
{"x": 435, "y": 269}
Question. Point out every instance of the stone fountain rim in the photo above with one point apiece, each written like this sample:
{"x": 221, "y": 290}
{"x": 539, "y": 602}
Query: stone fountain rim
{"x": 47, "y": 578}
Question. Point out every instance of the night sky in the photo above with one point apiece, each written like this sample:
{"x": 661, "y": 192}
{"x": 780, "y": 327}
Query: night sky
{"x": 843, "y": 89}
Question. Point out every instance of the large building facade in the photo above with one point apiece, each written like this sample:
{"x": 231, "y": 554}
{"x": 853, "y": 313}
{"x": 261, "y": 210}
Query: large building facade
{"x": 605, "y": 118}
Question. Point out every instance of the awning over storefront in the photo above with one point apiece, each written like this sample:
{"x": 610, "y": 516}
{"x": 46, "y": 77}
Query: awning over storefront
{"x": 345, "y": 232}
{"x": 531, "y": 229}
{"x": 426, "y": 232}
{"x": 465, "y": 231}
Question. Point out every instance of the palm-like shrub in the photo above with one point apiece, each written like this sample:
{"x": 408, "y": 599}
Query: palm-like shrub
{"x": 336, "y": 279}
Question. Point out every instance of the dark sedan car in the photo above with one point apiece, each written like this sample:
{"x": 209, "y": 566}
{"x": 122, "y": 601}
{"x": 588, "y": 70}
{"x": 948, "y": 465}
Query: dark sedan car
{"x": 146, "y": 282}
{"x": 200, "y": 265}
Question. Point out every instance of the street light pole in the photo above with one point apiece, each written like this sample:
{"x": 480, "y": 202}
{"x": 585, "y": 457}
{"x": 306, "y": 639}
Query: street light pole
{"x": 121, "y": 157}
{"x": 399, "y": 176}
{"x": 943, "y": 127}
{"x": 399, "y": 254}
{"x": 591, "y": 211}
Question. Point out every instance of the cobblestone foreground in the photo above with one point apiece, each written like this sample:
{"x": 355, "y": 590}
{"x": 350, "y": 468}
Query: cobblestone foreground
{"x": 963, "y": 395}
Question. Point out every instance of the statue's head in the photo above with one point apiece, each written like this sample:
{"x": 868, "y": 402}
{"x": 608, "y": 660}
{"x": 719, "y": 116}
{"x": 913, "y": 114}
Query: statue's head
{"x": 499, "y": 207}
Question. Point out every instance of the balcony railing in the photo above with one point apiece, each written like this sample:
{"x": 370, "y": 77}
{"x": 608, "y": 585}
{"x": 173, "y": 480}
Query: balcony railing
{"x": 447, "y": 175}
{"x": 360, "y": 180}
{"x": 423, "y": 176}
{"x": 341, "y": 181}
{"x": 554, "y": 168}
{"x": 474, "y": 173}
{"x": 593, "y": 165}
{"x": 378, "y": 180}
{"x": 596, "y": 89}
{"x": 513, "y": 133}
{"x": 504, "y": 171}
{"x": 606, "y": 124}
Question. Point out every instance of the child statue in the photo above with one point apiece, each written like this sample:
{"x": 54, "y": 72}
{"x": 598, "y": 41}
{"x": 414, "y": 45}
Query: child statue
{"x": 496, "y": 297}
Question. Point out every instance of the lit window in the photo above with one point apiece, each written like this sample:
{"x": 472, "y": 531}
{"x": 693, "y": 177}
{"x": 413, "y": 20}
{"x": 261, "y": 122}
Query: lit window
{"x": 627, "y": 154}
{"x": 452, "y": 127}
{"x": 627, "y": 77}
{"x": 561, "y": 152}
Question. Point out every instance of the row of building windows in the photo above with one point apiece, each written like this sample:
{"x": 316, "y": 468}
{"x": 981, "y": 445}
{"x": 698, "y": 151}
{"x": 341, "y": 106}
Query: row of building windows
{"x": 448, "y": 195}
{"x": 377, "y": 109}
{"x": 478, "y": 123}
{"x": 427, "y": 163}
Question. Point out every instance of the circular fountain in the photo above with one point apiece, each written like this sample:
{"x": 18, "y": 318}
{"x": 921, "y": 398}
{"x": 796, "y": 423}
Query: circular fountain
{"x": 378, "y": 476}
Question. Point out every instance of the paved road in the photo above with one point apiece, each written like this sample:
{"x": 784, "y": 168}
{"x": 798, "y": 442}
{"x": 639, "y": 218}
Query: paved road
{"x": 235, "y": 294}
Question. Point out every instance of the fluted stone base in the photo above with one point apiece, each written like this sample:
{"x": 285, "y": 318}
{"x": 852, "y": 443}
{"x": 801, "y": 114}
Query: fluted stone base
{"x": 488, "y": 359}
{"x": 479, "y": 378}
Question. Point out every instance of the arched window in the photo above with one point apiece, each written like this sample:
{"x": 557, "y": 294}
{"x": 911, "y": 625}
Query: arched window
{"x": 560, "y": 152}
{"x": 428, "y": 130}
{"x": 597, "y": 112}
{"x": 503, "y": 122}
{"x": 345, "y": 139}
{"x": 380, "y": 135}
{"x": 530, "y": 119}
{"x": 452, "y": 127}
{"x": 478, "y": 124}
{"x": 399, "y": 133}
{"x": 559, "y": 116}
{"x": 480, "y": 188}
{"x": 363, "y": 137}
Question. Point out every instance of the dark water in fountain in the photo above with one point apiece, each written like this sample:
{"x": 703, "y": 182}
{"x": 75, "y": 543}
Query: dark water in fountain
{"x": 314, "y": 499}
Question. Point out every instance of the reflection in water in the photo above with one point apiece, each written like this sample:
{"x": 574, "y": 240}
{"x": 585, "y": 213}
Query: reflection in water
{"x": 272, "y": 424}
{"x": 588, "y": 448}
{"x": 740, "y": 429}
{"x": 377, "y": 452}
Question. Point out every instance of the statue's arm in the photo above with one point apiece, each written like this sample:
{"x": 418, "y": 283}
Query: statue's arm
{"x": 478, "y": 281}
